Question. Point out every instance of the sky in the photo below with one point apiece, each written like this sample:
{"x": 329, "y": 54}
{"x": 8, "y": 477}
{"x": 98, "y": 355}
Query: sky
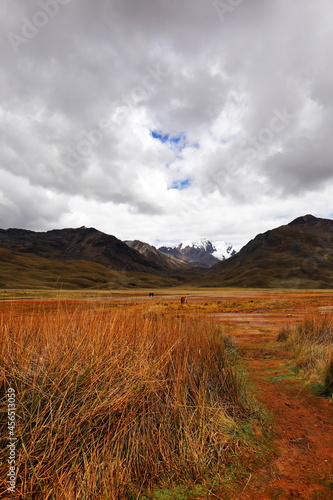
{"x": 165, "y": 120}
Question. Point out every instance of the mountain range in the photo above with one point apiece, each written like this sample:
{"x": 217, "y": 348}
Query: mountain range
{"x": 299, "y": 254}
{"x": 82, "y": 257}
{"x": 203, "y": 253}
{"x": 166, "y": 262}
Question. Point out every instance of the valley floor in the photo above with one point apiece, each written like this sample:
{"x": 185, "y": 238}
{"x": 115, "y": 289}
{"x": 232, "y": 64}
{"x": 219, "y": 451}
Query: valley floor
{"x": 300, "y": 464}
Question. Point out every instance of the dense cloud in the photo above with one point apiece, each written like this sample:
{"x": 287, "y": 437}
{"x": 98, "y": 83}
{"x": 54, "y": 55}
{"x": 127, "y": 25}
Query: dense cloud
{"x": 165, "y": 120}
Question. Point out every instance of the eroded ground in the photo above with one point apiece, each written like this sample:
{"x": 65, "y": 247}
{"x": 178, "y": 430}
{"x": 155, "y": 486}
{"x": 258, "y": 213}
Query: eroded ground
{"x": 302, "y": 423}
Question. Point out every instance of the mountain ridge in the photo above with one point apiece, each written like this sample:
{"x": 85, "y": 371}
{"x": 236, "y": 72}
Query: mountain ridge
{"x": 294, "y": 255}
{"x": 202, "y": 253}
{"x": 82, "y": 243}
{"x": 298, "y": 254}
{"x": 169, "y": 263}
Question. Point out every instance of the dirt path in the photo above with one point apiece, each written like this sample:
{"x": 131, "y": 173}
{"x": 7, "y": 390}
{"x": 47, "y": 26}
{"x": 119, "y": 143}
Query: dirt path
{"x": 302, "y": 424}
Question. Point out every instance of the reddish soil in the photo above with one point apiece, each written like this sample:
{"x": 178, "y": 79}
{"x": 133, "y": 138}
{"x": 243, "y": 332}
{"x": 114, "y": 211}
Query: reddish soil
{"x": 301, "y": 421}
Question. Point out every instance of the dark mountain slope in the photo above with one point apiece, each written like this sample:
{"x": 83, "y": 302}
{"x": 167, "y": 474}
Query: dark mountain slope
{"x": 299, "y": 254}
{"x": 79, "y": 244}
{"x": 165, "y": 262}
{"x": 27, "y": 271}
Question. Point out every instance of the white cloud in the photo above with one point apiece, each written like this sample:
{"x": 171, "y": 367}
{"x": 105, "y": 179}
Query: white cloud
{"x": 80, "y": 96}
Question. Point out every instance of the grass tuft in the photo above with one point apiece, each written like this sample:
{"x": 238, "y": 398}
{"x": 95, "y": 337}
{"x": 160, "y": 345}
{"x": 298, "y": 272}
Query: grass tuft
{"x": 311, "y": 343}
{"x": 328, "y": 377}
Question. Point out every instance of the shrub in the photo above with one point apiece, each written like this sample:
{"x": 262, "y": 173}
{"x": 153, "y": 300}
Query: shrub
{"x": 311, "y": 343}
{"x": 283, "y": 334}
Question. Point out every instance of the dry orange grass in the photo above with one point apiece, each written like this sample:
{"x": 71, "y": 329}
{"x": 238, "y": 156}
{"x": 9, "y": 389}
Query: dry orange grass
{"x": 111, "y": 403}
{"x": 312, "y": 345}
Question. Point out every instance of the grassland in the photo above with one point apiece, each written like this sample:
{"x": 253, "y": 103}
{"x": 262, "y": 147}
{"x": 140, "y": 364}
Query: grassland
{"x": 123, "y": 397}
{"x": 116, "y": 402}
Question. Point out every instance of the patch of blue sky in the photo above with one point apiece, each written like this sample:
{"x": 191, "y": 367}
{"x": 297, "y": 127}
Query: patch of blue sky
{"x": 177, "y": 142}
{"x": 180, "y": 185}
{"x": 158, "y": 135}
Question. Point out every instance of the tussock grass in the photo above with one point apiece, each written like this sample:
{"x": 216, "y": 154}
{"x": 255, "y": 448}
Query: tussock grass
{"x": 111, "y": 403}
{"x": 312, "y": 346}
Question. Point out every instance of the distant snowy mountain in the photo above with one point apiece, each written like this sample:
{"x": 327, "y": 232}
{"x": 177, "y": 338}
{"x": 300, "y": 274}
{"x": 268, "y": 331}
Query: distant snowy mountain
{"x": 220, "y": 249}
{"x": 201, "y": 253}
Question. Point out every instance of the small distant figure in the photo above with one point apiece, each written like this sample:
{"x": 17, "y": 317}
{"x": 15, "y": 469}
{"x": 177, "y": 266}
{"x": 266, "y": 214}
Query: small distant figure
{"x": 151, "y": 294}
{"x": 183, "y": 299}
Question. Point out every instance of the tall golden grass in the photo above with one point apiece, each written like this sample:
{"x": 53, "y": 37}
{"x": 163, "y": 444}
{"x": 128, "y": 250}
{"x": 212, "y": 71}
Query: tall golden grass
{"x": 311, "y": 342}
{"x": 112, "y": 403}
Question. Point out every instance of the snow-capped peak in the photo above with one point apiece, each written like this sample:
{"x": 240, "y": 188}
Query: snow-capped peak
{"x": 223, "y": 250}
{"x": 220, "y": 249}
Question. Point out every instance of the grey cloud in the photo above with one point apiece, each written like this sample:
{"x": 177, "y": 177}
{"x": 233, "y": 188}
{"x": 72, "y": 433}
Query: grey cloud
{"x": 26, "y": 206}
{"x": 222, "y": 82}
{"x": 305, "y": 166}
